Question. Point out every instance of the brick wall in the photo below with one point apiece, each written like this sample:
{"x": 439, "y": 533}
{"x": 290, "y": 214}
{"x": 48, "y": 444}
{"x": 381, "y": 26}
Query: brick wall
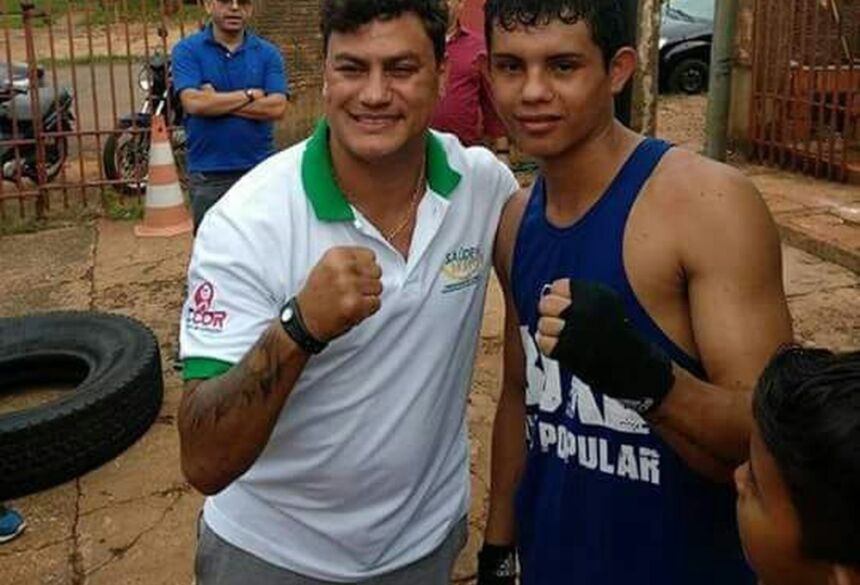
{"x": 293, "y": 25}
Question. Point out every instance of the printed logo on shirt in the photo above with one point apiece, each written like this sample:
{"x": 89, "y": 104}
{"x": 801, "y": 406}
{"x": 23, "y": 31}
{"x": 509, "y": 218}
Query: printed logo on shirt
{"x": 462, "y": 268}
{"x": 570, "y": 441}
{"x": 201, "y": 314}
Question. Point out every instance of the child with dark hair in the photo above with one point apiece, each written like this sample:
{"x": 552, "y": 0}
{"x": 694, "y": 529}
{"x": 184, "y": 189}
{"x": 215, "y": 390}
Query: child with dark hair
{"x": 799, "y": 495}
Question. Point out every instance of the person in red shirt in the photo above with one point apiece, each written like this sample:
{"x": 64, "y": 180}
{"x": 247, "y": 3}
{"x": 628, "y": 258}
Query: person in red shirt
{"x": 466, "y": 110}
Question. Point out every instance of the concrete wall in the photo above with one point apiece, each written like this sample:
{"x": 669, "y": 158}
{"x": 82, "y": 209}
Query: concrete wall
{"x": 293, "y": 25}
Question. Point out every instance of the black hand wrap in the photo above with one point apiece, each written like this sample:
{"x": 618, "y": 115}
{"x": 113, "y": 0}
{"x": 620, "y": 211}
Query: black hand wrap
{"x": 497, "y": 565}
{"x": 599, "y": 344}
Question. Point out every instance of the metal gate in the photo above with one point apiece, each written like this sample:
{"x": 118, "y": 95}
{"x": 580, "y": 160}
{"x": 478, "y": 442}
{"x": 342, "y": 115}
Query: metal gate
{"x": 74, "y": 77}
{"x": 806, "y": 86}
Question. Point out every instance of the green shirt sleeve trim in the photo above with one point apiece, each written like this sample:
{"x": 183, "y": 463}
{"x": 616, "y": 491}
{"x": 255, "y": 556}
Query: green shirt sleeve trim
{"x": 203, "y": 368}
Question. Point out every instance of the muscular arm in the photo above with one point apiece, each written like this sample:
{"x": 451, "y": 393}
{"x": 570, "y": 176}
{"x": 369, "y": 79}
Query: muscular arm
{"x": 224, "y": 423}
{"x": 509, "y": 444}
{"x": 271, "y": 107}
{"x": 739, "y": 316}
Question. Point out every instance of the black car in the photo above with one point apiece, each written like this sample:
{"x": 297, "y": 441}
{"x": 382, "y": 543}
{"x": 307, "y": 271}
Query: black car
{"x": 686, "y": 34}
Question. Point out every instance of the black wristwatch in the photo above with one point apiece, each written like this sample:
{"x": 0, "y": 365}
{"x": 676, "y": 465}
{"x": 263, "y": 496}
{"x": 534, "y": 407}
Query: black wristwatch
{"x": 291, "y": 321}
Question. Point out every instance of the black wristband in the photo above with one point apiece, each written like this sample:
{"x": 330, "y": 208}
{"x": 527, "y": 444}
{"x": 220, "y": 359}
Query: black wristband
{"x": 294, "y": 325}
{"x": 497, "y": 565}
{"x": 599, "y": 344}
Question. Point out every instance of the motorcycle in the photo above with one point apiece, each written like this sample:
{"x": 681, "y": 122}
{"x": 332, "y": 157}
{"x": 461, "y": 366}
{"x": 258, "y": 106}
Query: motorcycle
{"x": 126, "y": 152}
{"x": 17, "y": 122}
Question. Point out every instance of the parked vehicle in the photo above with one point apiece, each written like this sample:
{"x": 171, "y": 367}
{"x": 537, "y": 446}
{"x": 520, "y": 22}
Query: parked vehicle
{"x": 126, "y": 152}
{"x": 686, "y": 34}
{"x": 17, "y": 121}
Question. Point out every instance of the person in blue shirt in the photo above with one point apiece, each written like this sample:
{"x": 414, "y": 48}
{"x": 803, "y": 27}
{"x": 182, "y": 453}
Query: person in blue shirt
{"x": 233, "y": 87}
{"x": 644, "y": 297}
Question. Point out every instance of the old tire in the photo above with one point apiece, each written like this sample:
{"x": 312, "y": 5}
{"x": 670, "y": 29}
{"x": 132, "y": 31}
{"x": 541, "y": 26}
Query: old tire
{"x": 114, "y": 362}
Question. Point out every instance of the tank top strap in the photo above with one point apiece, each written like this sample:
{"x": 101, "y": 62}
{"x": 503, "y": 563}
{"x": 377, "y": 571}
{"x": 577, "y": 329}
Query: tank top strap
{"x": 636, "y": 172}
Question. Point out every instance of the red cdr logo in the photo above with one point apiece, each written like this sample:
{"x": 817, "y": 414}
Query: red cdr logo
{"x": 201, "y": 315}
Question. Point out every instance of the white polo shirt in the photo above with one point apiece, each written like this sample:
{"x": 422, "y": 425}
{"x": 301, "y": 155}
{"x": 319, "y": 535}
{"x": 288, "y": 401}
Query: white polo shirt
{"x": 367, "y": 468}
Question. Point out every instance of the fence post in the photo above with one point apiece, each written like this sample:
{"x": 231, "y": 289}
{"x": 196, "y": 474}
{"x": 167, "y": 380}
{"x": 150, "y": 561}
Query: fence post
{"x": 720, "y": 92}
{"x": 28, "y": 11}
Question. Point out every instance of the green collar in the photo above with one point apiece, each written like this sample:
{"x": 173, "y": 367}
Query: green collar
{"x": 326, "y": 197}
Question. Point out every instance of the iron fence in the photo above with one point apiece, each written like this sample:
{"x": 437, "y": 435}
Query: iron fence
{"x": 806, "y": 86}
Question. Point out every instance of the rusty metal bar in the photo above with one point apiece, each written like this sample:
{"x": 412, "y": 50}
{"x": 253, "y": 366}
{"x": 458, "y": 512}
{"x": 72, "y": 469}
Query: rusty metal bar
{"x": 96, "y": 122}
{"x": 805, "y": 108}
{"x": 111, "y": 77}
{"x": 76, "y": 102}
{"x": 789, "y": 149}
{"x": 819, "y": 101}
{"x": 838, "y": 165}
{"x": 28, "y": 11}
{"x": 755, "y": 110}
{"x": 780, "y": 65}
{"x": 770, "y": 56}
{"x": 18, "y": 178}
{"x": 60, "y": 111}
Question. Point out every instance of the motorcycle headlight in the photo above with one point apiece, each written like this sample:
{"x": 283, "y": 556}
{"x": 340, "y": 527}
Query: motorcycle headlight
{"x": 143, "y": 80}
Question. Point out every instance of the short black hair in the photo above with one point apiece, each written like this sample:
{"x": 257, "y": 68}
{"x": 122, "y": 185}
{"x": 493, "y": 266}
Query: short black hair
{"x": 807, "y": 407}
{"x": 605, "y": 18}
{"x": 348, "y": 15}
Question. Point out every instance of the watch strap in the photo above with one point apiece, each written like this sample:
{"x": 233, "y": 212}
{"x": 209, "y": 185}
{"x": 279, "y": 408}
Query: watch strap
{"x": 297, "y": 330}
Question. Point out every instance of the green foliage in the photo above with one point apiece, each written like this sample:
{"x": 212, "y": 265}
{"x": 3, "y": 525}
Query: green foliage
{"x": 118, "y": 206}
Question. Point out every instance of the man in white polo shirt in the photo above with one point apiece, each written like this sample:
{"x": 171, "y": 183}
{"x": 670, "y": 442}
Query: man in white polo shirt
{"x": 336, "y": 294}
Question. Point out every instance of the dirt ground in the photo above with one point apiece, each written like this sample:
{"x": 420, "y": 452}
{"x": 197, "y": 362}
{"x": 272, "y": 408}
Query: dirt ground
{"x": 132, "y": 520}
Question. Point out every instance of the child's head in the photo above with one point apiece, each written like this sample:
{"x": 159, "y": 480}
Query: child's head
{"x": 799, "y": 495}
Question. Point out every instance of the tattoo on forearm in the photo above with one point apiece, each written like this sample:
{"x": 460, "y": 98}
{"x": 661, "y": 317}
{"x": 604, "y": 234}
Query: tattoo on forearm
{"x": 249, "y": 385}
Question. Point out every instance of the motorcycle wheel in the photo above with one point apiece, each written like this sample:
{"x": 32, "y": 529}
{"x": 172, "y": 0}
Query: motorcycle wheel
{"x": 126, "y": 157}
{"x": 56, "y": 150}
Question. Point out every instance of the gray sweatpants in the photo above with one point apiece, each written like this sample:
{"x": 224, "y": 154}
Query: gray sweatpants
{"x": 220, "y": 563}
{"x": 205, "y": 189}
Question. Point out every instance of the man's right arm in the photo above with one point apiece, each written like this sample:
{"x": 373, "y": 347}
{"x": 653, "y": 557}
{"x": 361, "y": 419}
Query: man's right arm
{"x": 225, "y": 422}
{"x": 508, "y": 454}
{"x": 508, "y": 448}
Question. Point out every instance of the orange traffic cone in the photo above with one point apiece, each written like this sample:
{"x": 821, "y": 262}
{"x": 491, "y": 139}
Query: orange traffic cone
{"x": 164, "y": 214}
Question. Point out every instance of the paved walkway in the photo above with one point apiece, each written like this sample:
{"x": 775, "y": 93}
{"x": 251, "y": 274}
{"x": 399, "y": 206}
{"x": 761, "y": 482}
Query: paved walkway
{"x": 819, "y": 217}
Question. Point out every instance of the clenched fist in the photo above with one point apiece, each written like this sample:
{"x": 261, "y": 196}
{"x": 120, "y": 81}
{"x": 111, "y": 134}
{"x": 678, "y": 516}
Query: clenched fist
{"x": 342, "y": 290}
{"x": 583, "y": 325}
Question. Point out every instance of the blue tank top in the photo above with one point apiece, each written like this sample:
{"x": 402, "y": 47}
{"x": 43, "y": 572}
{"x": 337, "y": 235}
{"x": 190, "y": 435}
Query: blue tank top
{"x": 603, "y": 500}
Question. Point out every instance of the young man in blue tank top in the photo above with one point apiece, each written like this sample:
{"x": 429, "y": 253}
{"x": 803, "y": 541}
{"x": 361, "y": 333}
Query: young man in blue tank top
{"x": 644, "y": 296}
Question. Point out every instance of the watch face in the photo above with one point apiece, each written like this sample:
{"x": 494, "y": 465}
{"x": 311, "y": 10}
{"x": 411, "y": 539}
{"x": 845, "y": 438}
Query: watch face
{"x": 286, "y": 314}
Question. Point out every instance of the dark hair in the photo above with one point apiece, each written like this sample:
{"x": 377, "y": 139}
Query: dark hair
{"x": 807, "y": 407}
{"x": 348, "y": 15}
{"x": 605, "y": 19}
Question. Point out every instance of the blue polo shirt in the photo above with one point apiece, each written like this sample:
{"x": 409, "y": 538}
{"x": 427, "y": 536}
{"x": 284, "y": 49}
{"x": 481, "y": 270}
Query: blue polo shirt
{"x": 227, "y": 143}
